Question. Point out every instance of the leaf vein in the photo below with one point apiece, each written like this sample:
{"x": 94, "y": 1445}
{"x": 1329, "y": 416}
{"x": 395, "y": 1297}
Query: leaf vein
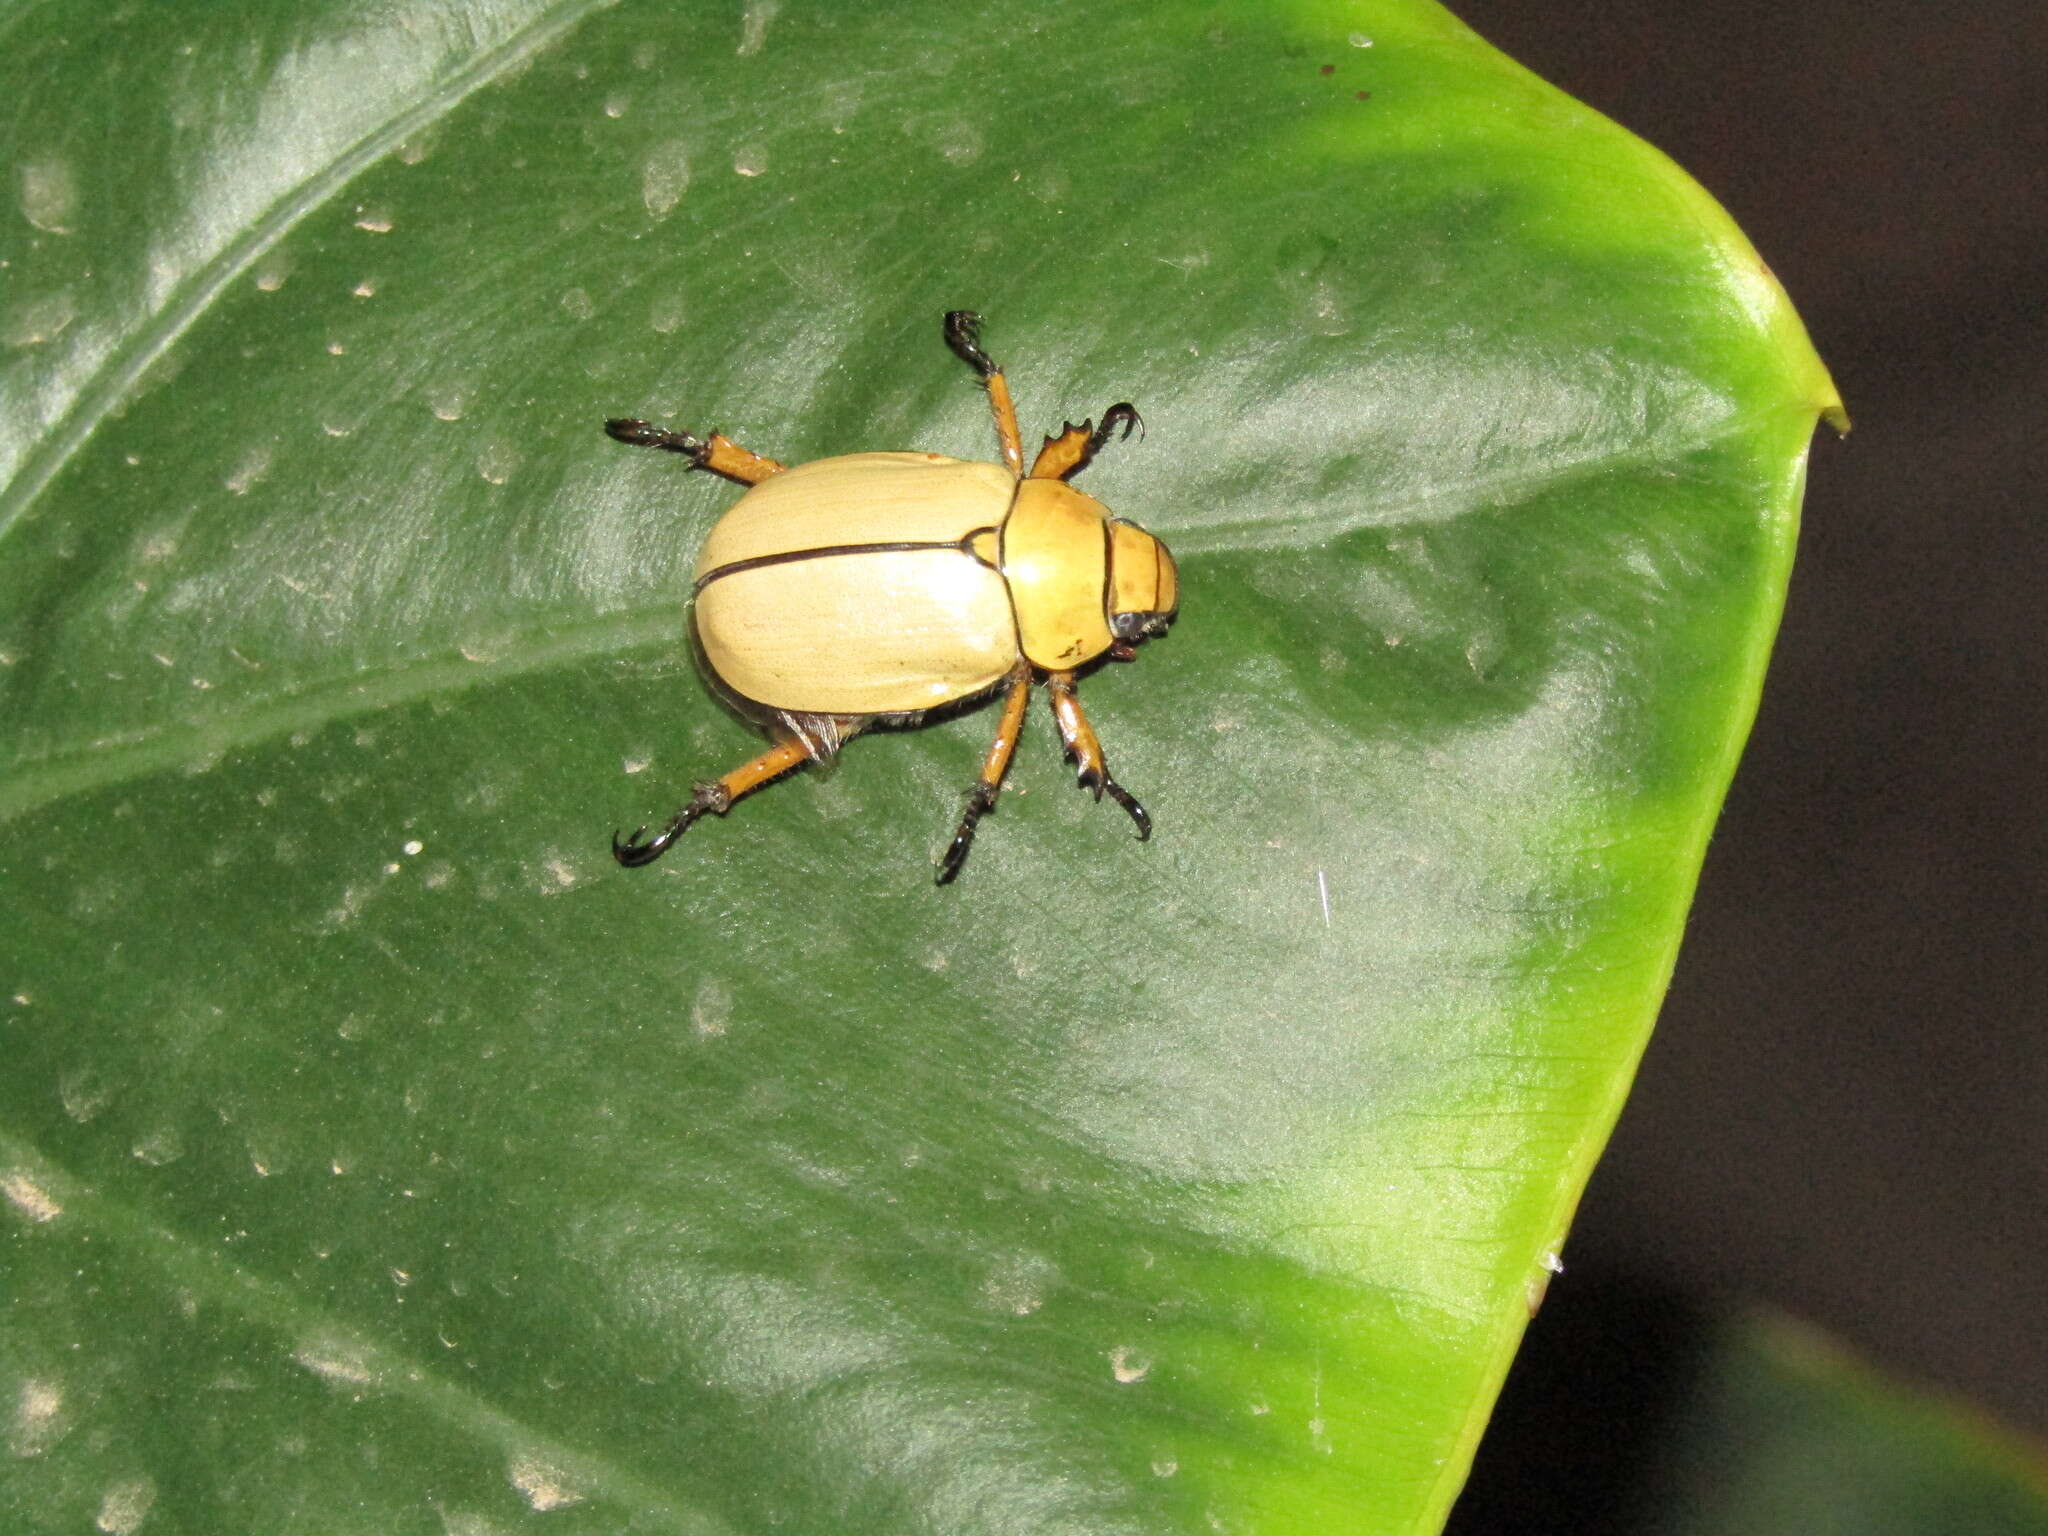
{"x": 116, "y": 378}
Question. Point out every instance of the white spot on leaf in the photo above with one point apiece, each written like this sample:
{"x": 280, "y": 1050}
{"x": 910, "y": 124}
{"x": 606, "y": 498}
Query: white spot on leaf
{"x": 711, "y": 1011}
{"x": 49, "y": 195}
{"x": 35, "y": 321}
{"x": 29, "y": 1197}
{"x": 664, "y": 177}
{"x": 754, "y": 25}
{"x": 37, "y": 1422}
{"x": 665, "y": 314}
{"x": 542, "y": 1485}
{"x": 337, "y": 1360}
{"x": 255, "y": 464}
{"x": 159, "y": 1147}
{"x": 125, "y": 1506}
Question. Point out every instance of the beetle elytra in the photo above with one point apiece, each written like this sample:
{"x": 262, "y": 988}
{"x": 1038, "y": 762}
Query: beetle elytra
{"x": 878, "y": 586}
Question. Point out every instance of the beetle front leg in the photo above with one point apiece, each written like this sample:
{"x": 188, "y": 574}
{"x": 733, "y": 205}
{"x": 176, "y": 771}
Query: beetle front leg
{"x": 963, "y": 335}
{"x": 1065, "y": 456}
{"x": 1086, "y": 750}
{"x": 714, "y": 796}
{"x": 982, "y": 798}
{"x": 717, "y": 453}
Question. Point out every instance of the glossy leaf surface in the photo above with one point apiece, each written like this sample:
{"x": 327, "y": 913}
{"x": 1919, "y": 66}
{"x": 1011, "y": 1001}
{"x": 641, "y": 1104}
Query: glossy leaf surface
{"x": 378, "y": 1156}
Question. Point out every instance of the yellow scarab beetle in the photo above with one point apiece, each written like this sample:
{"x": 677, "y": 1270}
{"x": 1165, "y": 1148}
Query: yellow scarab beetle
{"x": 877, "y": 586}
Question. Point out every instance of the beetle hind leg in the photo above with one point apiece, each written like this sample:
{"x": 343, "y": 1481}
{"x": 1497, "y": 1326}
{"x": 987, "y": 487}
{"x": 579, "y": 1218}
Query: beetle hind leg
{"x": 1085, "y": 747}
{"x": 982, "y": 798}
{"x": 717, "y": 453}
{"x": 714, "y": 797}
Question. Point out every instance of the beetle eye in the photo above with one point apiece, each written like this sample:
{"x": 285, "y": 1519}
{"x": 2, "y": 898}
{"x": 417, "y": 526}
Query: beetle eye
{"x": 1127, "y": 626}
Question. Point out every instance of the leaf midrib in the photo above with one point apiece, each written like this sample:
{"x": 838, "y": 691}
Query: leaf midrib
{"x": 36, "y": 782}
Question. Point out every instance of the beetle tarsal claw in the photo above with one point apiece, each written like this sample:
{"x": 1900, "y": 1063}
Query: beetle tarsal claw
{"x": 1124, "y": 798}
{"x": 963, "y": 335}
{"x": 711, "y": 796}
{"x": 633, "y": 852}
{"x": 1122, "y": 414}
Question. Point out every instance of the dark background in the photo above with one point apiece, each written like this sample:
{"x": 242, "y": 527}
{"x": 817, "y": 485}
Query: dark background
{"x": 1844, "y": 1111}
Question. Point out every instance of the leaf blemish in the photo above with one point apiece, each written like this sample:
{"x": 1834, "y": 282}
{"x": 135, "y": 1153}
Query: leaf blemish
{"x": 29, "y": 1197}
{"x": 36, "y": 321}
{"x": 711, "y": 1010}
{"x": 125, "y": 1506}
{"x": 543, "y": 1486}
{"x": 49, "y": 195}
{"x": 254, "y": 466}
{"x": 754, "y": 26}
{"x": 36, "y": 1422}
{"x": 664, "y": 177}
{"x": 337, "y": 1360}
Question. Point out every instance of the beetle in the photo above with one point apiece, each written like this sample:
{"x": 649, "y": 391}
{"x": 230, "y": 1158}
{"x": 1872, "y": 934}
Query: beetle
{"x": 876, "y": 587}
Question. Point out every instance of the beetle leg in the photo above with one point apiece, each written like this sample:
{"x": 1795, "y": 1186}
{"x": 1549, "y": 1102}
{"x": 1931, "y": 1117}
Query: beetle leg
{"x": 715, "y": 796}
{"x": 1086, "y": 750}
{"x": 1065, "y": 456}
{"x": 717, "y": 453}
{"x": 982, "y": 798}
{"x": 963, "y": 335}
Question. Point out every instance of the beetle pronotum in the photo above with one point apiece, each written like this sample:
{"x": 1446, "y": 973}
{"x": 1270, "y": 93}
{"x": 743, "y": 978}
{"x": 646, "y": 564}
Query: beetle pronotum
{"x": 878, "y": 586}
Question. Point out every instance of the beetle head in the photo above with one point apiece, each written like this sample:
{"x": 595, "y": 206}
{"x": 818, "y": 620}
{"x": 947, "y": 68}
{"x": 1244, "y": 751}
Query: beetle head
{"x": 1144, "y": 584}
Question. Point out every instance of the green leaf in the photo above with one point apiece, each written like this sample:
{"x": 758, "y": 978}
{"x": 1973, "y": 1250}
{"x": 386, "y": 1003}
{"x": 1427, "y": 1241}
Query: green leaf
{"x": 1634, "y": 1409}
{"x": 1787, "y": 1433}
{"x": 379, "y": 1156}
